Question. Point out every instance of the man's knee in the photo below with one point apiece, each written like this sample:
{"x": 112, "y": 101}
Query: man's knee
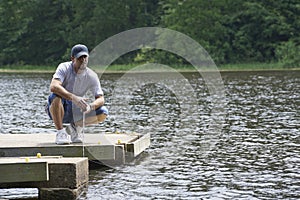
{"x": 101, "y": 113}
{"x": 56, "y": 100}
{"x": 101, "y": 117}
{"x": 56, "y": 104}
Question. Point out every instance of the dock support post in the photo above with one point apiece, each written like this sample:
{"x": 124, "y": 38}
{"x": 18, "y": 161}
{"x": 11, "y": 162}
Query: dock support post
{"x": 66, "y": 181}
{"x": 60, "y": 193}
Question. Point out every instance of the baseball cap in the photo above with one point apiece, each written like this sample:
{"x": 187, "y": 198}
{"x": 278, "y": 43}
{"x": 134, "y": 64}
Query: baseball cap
{"x": 79, "y": 50}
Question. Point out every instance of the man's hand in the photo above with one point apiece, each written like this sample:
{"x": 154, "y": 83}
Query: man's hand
{"x": 81, "y": 103}
{"x": 88, "y": 109}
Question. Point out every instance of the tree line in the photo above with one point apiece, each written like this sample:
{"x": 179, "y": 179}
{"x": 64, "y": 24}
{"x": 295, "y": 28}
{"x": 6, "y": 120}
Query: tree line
{"x": 41, "y": 32}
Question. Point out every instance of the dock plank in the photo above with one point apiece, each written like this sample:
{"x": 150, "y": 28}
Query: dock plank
{"x": 16, "y": 170}
{"x": 47, "y": 140}
{"x": 139, "y": 145}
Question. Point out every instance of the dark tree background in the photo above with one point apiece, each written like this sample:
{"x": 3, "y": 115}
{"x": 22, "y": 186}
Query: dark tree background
{"x": 41, "y": 32}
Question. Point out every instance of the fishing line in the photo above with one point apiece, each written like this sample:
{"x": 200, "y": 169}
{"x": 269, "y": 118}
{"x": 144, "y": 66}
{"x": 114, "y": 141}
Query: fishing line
{"x": 83, "y": 126}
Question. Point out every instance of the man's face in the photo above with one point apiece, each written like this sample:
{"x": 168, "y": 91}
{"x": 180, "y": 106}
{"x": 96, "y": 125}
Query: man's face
{"x": 82, "y": 62}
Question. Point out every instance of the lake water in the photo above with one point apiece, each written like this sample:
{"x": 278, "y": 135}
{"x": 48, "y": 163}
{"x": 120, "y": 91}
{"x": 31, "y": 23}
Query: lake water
{"x": 256, "y": 156}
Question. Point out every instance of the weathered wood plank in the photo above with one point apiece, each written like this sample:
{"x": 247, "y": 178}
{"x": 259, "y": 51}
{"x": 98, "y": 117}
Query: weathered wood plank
{"x": 47, "y": 140}
{"x": 119, "y": 157}
{"x": 101, "y": 152}
{"x": 93, "y": 152}
{"x": 23, "y": 172}
{"x": 138, "y": 146}
{"x": 63, "y": 173}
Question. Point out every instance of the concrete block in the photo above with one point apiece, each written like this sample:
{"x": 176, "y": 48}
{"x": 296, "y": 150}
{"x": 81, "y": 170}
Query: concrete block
{"x": 60, "y": 193}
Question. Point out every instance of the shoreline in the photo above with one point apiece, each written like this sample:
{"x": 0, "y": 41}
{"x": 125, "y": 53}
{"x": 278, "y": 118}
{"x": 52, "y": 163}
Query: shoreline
{"x": 150, "y": 71}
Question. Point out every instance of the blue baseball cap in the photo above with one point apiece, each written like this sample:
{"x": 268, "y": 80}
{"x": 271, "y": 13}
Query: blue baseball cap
{"x": 79, "y": 50}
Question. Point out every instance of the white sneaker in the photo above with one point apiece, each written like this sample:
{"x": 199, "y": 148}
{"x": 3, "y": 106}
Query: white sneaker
{"x": 75, "y": 132}
{"x": 62, "y": 137}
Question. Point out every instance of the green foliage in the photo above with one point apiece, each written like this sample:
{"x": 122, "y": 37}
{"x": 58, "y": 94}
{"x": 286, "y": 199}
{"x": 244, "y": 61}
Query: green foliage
{"x": 202, "y": 21}
{"x": 42, "y": 32}
{"x": 257, "y": 31}
{"x": 236, "y": 31}
{"x": 12, "y": 28}
{"x": 288, "y": 53}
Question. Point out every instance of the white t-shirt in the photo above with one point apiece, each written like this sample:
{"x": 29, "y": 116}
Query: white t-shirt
{"x": 78, "y": 84}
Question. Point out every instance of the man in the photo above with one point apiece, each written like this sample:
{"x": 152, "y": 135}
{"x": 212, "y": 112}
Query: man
{"x": 66, "y": 104}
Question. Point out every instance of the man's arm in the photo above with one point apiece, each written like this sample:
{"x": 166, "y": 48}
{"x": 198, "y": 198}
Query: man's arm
{"x": 57, "y": 88}
{"x": 99, "y": 101}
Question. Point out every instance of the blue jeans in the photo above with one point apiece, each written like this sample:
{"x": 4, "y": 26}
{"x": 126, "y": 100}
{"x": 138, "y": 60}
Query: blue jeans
{"x": 72, "y": 112}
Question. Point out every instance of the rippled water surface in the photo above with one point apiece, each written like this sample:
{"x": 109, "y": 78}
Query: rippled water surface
{"x": 256, "y": 155}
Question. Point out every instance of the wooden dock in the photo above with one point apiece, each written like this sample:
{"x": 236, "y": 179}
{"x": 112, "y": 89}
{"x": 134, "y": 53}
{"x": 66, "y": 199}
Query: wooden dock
{"x": 61, "y": 171}
{"x": 108, "y": 148}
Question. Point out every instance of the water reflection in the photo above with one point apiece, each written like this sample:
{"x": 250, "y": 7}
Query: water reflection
{"x": 256, "y": 157}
